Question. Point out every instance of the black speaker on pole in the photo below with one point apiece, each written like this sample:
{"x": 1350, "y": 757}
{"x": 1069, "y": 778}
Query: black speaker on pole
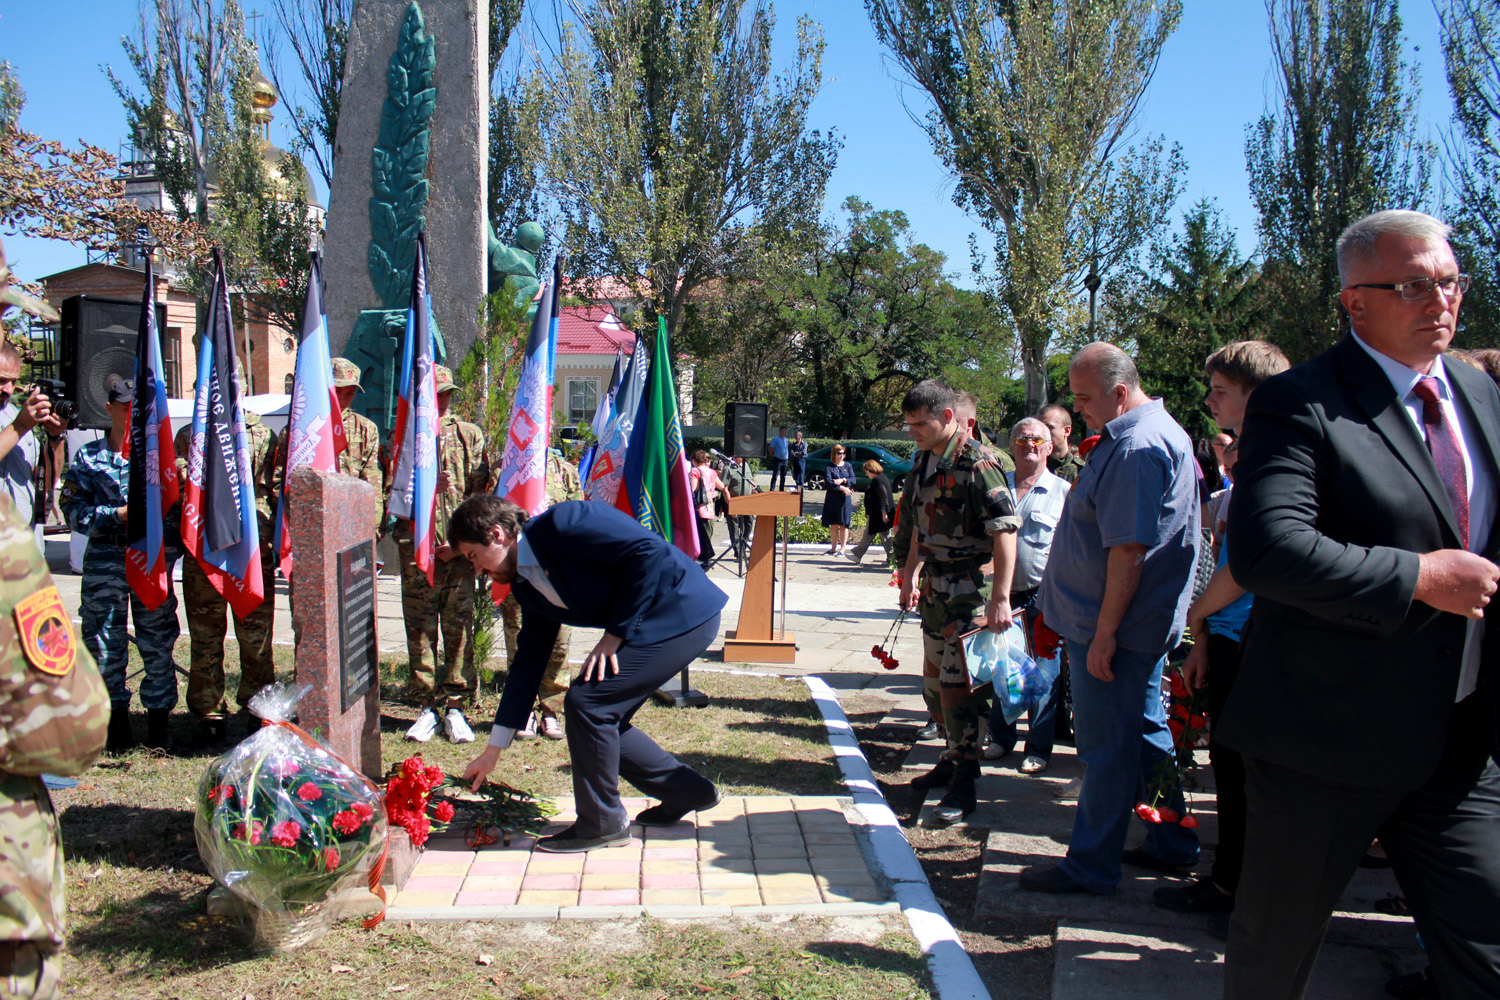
{"x": 745, "y": 430}
{"x": 96, "y": 339}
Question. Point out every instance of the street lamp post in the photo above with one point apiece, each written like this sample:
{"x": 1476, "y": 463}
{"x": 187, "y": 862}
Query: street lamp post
{"x": 1092, "y": 284}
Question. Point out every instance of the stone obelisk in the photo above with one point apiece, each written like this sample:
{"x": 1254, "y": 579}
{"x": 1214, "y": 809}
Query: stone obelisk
{"x": 411, "y": 155}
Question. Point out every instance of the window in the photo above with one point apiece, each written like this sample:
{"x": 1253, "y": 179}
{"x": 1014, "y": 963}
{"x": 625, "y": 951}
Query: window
{"x": 583, "y": 398}
{"x": 290, "y": 378}
{"x": 171, "y": 361}
{"x": 288, "y": 345}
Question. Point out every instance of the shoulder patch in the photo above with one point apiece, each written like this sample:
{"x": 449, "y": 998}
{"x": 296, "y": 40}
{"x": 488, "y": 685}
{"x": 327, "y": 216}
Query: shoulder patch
{"x": 45, "y": 632}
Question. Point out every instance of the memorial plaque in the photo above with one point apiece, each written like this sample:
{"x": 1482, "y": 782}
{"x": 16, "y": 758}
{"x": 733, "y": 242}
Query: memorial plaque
{"x": 358, "y": 654}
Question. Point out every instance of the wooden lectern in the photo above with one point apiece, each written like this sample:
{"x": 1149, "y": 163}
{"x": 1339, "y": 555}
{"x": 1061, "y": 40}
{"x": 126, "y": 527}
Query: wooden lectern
{"x": 754, "y": 641}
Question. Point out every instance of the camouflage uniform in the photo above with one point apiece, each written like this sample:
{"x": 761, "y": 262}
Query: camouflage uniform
{"x": 562, "y": 484}
{"x": 53, "y": 719}
{"x": 206, "y": 607}
{"x": 449, "y": 601}
{"x": 1068, "y": 468}
{"x": 958, "y": 503}
{"x": 362, "y": 457}
{"x": 95, "y": 484}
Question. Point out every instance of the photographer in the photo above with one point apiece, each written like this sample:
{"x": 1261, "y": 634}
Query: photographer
{"x": 20, "y": 450}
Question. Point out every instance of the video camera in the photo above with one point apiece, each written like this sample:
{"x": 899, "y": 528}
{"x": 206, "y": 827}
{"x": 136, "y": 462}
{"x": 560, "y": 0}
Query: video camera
{"x": 56, "y": 391}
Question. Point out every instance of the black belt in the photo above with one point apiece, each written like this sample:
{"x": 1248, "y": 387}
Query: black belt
{"x": 1022, "y": 597}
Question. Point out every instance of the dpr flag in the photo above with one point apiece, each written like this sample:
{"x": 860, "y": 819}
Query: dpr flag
{"x": 414, "y": 438}
{"x": 656, "y": 472}
{"x": 602, "y": 415}
{"x": 219, "y": 526}
{"x": 608, "y": 468}
{"x": 523, "y": 465}
{"x": 315, "y": 427}
{"x": 153, "y": 464}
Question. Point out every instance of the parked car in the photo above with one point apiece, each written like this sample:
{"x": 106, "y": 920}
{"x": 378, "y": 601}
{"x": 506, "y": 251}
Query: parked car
{"x": 895, "y": 467}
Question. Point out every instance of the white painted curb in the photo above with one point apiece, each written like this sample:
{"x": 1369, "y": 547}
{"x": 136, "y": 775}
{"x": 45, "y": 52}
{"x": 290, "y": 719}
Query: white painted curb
{"x": 953, "y": 973}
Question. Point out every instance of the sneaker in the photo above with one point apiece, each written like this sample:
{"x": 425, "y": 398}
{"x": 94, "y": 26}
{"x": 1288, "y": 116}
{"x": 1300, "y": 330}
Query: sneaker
{"x": 551, "y": 728}
{"x": 995, "y": 751}
{"x": 1070, "y": 790}
{"x": 528, "y": 731}
{"x": 852, "y": 558}
{"x": 1033, "y": 764}
{"x": 423, "y": 729}
{"x": 456, "y": 727}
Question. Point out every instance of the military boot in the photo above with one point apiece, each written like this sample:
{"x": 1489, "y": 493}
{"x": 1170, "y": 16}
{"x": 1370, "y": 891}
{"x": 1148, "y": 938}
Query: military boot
{"x": 158, "y": 729}
{"x": 120, "y": 737}
{"x": 961, "y": 798}
{"x": 938, "y": 777}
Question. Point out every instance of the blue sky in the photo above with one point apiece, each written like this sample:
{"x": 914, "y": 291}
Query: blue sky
{"x": 1214, "y": 79}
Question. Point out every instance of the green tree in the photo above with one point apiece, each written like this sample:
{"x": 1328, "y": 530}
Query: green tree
{"x": 1033, "y": 107}
{"x": 317, "y": 32}
{"x": 1342, "y": 144}
{"x": 667, "y": 136}
{"x": 1471, "y": 54}
{"x": 12, "y": 95}
{"x": 1200, "y": 296}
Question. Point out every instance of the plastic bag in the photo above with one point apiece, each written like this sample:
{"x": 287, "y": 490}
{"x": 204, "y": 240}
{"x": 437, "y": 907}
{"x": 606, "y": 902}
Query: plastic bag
{"x": 1000, "y": 658}
{"x": 287, "y": 826}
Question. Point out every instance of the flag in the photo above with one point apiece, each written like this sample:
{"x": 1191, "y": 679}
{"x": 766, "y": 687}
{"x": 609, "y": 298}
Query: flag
{"x": 153, "y": 465}
{"x": 608, "y": 466}
{"x": 219, "y": 527}
{"x": 602, "y": 415}
{"x": 523, "y": 465}
{"x": 414, "y": 439}
{"x": 656, "y": 471}
{"x": 315, "y": 427}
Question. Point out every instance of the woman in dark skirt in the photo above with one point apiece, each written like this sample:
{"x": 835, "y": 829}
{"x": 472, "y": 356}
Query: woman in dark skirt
{"x": 838, "y": 503}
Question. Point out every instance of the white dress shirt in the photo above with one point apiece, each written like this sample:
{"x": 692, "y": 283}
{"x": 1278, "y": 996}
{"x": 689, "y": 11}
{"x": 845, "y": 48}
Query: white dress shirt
{"x": 1039, "y": 510}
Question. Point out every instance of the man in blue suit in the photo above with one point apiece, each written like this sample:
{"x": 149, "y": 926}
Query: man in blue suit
{"x": 589, "y": 565}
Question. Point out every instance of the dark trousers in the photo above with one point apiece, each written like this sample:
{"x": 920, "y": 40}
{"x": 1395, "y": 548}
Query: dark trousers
{"x": 1304, "y": 839}
{"x": 778, "y": 471}
{"x": 605, "y": 747}
{"x": 705, "y": 541}
{"x": 1229, "y": 766}
{"x": 799, "y": 471}
{"x": 1047, "y": 716}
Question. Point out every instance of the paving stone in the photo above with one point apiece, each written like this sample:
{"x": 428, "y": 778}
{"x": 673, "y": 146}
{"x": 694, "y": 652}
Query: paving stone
{"x": 447, "y": 883}
{"x": 777, "y": 896}
{"x": 669, "y": 882}
{"x": 555, "y": 864}
{"x": 656, "y": 835}
{"x": 689, "y": 853}
{"x": 417, "y": 898}
{"x": 430, "y": 856}
{"x": 608, "y": 897}
{"x": 491, "y": 882}
{"x": 619, "y": 881}
{"x": 497, "y": 867}
{"x": 780, "y": 849}
{"x": 486, "y": 897}
{"x": 686, "y": 899}
{"x": 757, "y": 804}
{"x": 559, "y": 881}
{"x": 852, "y": 894}
{"x": 731, "y": 897}
{"x": 547, "y": 897}
{"x": 777, "y": 866}
{"x": 669, "y": 867}
{"x": 721, "y": 865}
{"x": 440, "y": 869}
{"x": 726, "y": 880}
{"x": 719, "y": 854}
{"x": 593, "y": 865}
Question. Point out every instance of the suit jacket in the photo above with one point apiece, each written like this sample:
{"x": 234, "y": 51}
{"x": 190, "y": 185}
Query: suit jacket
{"x": 611, "y": 573}
{"x": 1343, "y": 675}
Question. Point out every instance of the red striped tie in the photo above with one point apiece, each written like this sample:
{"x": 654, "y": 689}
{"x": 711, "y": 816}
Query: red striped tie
{"x": 1442, "y": 441}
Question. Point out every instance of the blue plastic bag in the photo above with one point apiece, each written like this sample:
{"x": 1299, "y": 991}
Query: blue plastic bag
{"x": 1000, "y": 658}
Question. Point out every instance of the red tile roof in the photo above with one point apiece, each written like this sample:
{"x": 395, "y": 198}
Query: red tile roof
{"x": 592, "y": 330}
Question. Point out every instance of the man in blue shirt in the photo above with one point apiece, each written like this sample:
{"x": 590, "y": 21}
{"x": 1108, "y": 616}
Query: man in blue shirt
{"x": 780, "y": 452}
{"x": 1117, "y": 590}
{"x": 1216, "y": 618}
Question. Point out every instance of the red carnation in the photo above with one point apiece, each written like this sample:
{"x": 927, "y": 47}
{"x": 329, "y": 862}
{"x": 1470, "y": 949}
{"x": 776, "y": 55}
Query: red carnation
{"x": 1167, "y": 815}
{"x": 434, "y": 776}
{"x": 365, "y": 810}
{"x": 251, "y": 833}
{"x": 330, "y": 858}
{"x": 412, "y": 766}
{"x": 418, "y": 830}
{"x": 1190, "y": 821}
{"x": 285, "y": 768}
{"x": 347, "y": 821}
{"x": 309, "y": 792}
{"x": 285, "y": 833}
{"x": 443, "y": 812}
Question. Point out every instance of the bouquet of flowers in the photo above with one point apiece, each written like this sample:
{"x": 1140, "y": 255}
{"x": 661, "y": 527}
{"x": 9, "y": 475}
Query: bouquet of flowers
{"x": 411, "y": 803}
{"x": 408, "y": 800}
{"x": 1189, "y": 728}
{"x": 286, "y": 825}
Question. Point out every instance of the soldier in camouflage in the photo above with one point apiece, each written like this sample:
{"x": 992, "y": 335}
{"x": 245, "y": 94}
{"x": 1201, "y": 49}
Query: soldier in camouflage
{"x": 448, "y": 603}
{"x": 206, "y": 608}
{"x": 53, "y": 720}
{"x": 361, "y": 459}
{"x": 963, "y": 520}
{"x": 562, "y": 484}
{"x": 94, "y": 493}
{"x": 1064, "y": 462}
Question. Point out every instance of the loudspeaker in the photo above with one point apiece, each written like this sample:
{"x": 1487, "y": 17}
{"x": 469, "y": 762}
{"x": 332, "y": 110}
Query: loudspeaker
{"x": 745, "y": 430}
{"x": 97, "y": 339}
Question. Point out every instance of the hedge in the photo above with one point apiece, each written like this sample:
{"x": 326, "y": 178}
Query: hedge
{"x": 901, "y": 449}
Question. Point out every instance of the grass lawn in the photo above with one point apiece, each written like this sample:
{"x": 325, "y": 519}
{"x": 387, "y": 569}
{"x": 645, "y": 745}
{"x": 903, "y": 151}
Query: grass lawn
{"x": 136, "y": 887}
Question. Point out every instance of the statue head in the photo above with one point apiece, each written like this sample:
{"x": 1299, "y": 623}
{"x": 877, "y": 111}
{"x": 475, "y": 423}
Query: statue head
{"x": 530, "y": 237}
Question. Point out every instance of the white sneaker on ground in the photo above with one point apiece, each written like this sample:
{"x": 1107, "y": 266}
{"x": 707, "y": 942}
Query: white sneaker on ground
{"x": 1070, "y": 790}
{"x": 852, "y": 558}
{"x": 1033, "y": 764}
{"x": 423, "y": 729}
{"x": 456, "y": 727}
{"x": 994, "y": 751}
{"x": 528, "y": 731}
{"x": 551, "y": 728}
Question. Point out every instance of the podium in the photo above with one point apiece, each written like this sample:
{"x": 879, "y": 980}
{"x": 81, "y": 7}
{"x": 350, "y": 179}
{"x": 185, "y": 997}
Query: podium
{"x": 755, "y": 640}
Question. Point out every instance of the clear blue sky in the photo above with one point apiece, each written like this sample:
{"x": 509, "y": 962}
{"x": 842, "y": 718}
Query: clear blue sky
{"x": 1214, "y": 79}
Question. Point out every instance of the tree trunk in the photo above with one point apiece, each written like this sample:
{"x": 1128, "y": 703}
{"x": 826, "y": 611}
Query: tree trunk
{"x": 1034, "y": 364}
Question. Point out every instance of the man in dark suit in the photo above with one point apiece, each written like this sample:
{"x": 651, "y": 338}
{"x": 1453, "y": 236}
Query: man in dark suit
{"x": 1365, "y": 499}
{"x": 587, "y": 564}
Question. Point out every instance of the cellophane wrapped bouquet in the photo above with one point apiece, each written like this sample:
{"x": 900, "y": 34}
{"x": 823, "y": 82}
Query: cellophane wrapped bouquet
{"x": 287, "y": 826}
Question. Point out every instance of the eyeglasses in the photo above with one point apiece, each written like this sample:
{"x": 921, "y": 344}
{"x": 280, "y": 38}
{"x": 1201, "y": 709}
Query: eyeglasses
{"x": 1031, "y": 439}
{"x": 1421, "y": 288}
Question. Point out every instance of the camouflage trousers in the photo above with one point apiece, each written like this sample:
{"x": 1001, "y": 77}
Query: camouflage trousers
{"x": 32, "y": 883}
{"x": 206, "y": 611}
{"x": 953, "y": 600}
{"x": 446, "y": 606}
{"x": 101, "y": 613}
{"x": 555, "y": 680}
